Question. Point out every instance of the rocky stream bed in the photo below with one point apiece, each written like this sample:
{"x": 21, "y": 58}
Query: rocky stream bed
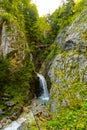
{"x": 32, "y": 115}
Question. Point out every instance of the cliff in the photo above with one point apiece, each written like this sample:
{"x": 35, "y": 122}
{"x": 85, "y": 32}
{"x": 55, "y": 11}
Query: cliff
{"x": 16, "y": 69}
{"x": 66, "y": 67}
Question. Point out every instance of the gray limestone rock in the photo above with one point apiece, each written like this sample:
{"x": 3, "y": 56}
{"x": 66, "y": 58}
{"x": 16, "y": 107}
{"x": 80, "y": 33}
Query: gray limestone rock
{"x": 72, "y": 37}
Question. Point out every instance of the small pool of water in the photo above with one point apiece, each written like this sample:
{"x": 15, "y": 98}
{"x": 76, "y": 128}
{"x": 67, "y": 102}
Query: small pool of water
{"x": 44, "y": 100}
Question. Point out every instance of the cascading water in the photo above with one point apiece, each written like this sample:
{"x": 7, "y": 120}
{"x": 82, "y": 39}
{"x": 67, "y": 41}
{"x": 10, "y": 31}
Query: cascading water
{"x": 45, "y": 95}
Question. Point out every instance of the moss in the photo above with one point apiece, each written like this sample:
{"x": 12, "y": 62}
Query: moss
{"x": 70, "y": 53}
{"x": 53, "y": 51}
{"x": 68, "y": 89}
{"x": 19, "y": 84}
{"x": 84, "y": 35}
{"x": 68, "y": 119}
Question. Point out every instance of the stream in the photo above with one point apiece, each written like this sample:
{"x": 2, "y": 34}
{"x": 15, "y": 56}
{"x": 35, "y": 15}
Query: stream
{"x": 35, "y": 110}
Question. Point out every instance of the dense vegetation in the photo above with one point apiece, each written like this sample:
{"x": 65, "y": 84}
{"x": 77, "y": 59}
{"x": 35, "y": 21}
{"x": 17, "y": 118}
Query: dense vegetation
{"x": 17, "y": 76}
{"x": 38, "y": 31}
{"x": 73, "y": 116}
{"x": 65, "y": 15}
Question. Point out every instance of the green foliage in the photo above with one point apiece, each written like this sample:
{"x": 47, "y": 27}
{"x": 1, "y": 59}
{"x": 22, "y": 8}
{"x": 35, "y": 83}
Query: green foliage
{"x": 4, "y": 71}
{"x": 61, "y": 17}
{"x": 52, "y": 51}
{"x": 42, "y": 29}
{"x": 30, "y": 17}
{"x": 7, "y": 16}
{"x": 25, "y": 15}
{"x": 17, "y": 84}
{"x": 14, "y": 79}
{"x": 69, "y": 119}
{"x": 25, "y": 73}
{"x": 74, "y": 116}
{"x": 65, "y": 15}
{"x": 69, "y": 96}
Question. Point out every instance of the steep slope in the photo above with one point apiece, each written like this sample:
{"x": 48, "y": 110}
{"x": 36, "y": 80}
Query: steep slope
{"x": 70, "y": 68}
{"x": 67, "y": 71}
{"x": 16, "y": 69}
{"x": 74, "y": 36}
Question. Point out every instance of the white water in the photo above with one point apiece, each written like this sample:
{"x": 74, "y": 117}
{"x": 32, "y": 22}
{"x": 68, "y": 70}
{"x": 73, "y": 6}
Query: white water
{"x": 16, "y": 124}
{"x": 45, "y": 95}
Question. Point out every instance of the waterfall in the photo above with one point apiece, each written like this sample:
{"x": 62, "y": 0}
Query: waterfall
{"x": 45, "y": 95}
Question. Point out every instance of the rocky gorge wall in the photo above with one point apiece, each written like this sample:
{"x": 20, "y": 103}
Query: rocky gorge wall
{"x": 75, "y": 35}
{"x": 67, "y": 70}
{"x": 12, "y": 41}
{"x": 16, "y": 71}
{"x": 68, "y": 75}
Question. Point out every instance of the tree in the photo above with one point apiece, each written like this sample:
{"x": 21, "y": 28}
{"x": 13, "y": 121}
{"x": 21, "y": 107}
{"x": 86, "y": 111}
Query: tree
{"x": 61, "y": 17}
{"x": 30, "y": 17}
{"x": 41, "y": 29}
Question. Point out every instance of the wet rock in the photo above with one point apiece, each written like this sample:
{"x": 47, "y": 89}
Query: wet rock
{"x": 26, "y": 109}
{"x": 5, "y": 98}
{"x": 1, "y": 126}
{"x": 30, "y": 120}
{"x": 37, "y": 114}
{"x": 20, "y": 128}
{"x": 4, "y": 119}
{"x": 14, "y": 116}
{"x": 2, "y": 112}
{"x": 6, "y": 95}
{"x": 8, "y": 121}
{"x": 15, "y": 113}
{"x": 10, "y": 104}
{"x": 4, "y": 122}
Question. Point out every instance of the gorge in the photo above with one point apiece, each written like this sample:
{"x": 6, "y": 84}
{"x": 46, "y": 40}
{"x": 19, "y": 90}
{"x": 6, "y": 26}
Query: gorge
{"x": 44, "y": 98}
{"x": 43, "y": 67}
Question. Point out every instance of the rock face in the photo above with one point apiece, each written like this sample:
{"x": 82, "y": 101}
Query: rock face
{"x": 75, "y": 35}
{"x": 13, "y": 41}
{"x": 13, "y": 44}
{"x": 68, "y": 76}
{"x": 68, "y": 70}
